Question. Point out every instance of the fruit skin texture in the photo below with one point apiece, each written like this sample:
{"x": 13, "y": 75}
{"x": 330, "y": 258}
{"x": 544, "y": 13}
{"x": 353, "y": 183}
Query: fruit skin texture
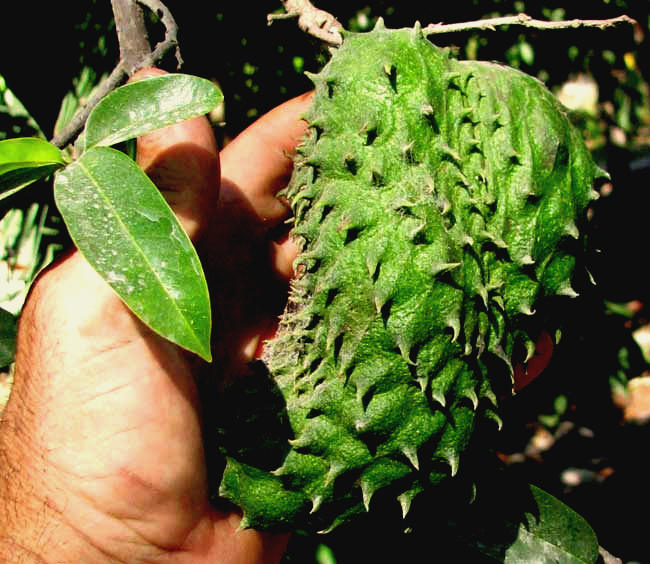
{"x": 437, "y": 205}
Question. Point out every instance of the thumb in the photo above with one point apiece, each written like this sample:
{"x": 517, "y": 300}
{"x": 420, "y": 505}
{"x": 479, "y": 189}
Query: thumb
{"x": 183, "y": 161}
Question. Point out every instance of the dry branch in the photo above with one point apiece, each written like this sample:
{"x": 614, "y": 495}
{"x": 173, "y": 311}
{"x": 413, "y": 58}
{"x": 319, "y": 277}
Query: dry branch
{"x": 315, "y": 22}
{"x": 525, "y": 21}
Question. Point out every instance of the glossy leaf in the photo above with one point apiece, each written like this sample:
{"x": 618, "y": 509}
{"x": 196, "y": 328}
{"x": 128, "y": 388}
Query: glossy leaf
{"x": 149, "y": 104}
{"x": 124, "y": 227}
{"x": 25, "y": 160}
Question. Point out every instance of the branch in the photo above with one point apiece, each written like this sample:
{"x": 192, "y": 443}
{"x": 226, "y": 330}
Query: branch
{"x": 325, "y": 26}
{"x": 526, "y": 21}
{"x": 129, "y": 61}
{"x": 131, "y": 33}
{"x": 315, "y": 22}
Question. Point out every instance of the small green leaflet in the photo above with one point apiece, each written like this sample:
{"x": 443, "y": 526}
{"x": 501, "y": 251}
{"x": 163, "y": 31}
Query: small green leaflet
{"x": 7, "y": 338}
{"x": 25, "y": 160}
{"x": 325, "y": 555}
{"x": 126, "y": 230}
{"x": 147, "y": 105}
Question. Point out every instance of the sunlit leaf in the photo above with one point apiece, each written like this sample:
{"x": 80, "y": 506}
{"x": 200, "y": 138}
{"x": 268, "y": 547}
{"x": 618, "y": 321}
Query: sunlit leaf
{"x": 25, "y": 160}
{"x": 149, "y": 104}
{"x": 27, "y": 149}
{"x": 124, "y": 227}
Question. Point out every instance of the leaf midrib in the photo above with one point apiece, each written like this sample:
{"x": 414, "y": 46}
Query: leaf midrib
{"x": 139, "y": 249}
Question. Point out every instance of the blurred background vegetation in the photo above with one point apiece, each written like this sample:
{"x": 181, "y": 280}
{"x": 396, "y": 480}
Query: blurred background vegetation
{"x": 580, "y": 432}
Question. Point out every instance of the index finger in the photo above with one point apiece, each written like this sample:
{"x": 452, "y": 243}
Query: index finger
{"x": 258, "y": 162}
{"x": 182, "y": 160}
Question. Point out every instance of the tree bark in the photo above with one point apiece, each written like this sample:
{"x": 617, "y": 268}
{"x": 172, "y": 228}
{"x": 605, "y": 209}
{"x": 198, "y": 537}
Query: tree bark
{"x": 131, "y": 32}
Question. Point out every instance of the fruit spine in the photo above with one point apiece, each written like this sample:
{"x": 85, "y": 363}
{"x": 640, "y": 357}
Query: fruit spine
{"x": 436, "y": 205}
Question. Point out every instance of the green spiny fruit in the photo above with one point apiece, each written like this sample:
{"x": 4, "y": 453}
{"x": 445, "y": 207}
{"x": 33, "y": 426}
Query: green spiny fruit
{"x": 436, "y": 205}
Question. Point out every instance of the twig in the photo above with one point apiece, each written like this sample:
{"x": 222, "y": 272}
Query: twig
{"x": 171, "y": 32}
{"x": 124, "y": 68}
{"x": 526, "y": 21}
{"x": 315, "y": 22}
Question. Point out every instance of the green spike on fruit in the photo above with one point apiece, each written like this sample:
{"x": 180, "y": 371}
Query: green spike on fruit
{"x": 438, "y": 205}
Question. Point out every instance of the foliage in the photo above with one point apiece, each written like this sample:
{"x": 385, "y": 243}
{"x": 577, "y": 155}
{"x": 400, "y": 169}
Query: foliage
{"x": 116, "y": 216}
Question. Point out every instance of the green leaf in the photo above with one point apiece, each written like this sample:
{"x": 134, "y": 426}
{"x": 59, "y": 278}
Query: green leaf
{"x": 124, "y": 227}
{"x": 553, "y": 531}
{"x": 149, "y": 104}
{"x": 513, "y": 522}
{"x": 25, "y": 160}
{"x": 28, "y": 149}
{"x": 7, "y": 338}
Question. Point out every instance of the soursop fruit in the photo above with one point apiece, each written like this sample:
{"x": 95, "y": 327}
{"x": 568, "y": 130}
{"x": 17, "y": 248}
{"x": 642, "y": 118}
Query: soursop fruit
{"x": 438, "y": 205}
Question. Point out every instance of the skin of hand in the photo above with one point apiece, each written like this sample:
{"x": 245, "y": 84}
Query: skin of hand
{"x": 101, "y": 444}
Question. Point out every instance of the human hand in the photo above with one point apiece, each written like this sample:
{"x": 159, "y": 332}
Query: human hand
{"x": 101, "y": 446}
